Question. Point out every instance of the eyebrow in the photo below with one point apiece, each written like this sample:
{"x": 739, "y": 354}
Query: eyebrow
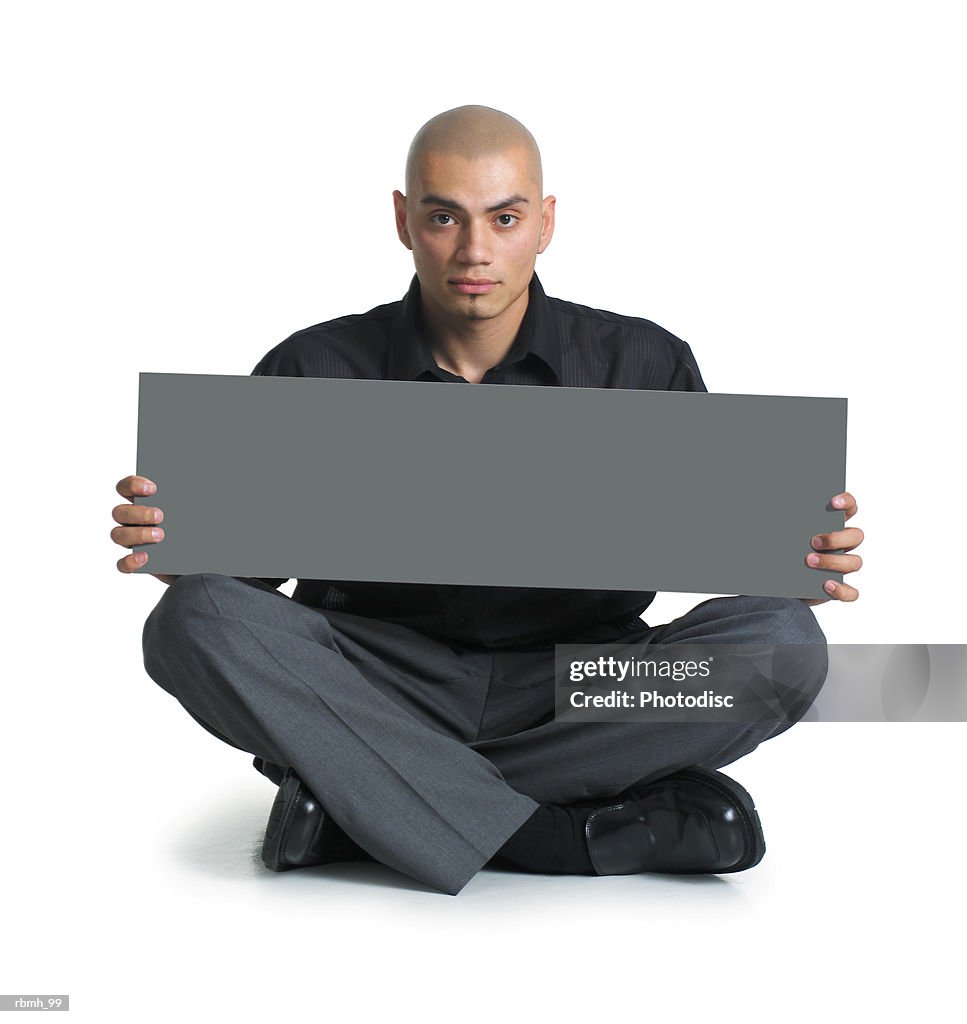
{"x": 452, "y": 204}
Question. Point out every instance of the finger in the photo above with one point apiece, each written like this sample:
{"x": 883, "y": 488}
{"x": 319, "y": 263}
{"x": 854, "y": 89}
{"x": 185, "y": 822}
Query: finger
{"x": 834, "y": 563}
{"x": 840, "y": 591}
{"x": 129, "y": 563}
{"x": 846, "y": 502}
{"x": 135, "y": 487}
{"x": 838, "y": 540}
{"x": 131, "y": 515}
{"x": 128, "y": 536}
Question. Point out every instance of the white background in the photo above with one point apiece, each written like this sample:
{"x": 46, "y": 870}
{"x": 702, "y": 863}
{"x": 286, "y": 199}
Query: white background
{"x": 185, "y": 185}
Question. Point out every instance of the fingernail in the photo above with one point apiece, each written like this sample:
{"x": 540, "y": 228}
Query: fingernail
{"x": 829, "y": 586}
{"x": 140, "y": 557}
{"x": 812, "y": 559}
{"x": 839, "y": 501}
{"x": 156, "y": 516}
{"x": 817, "y": 542}
{"x": 157, "y": 534}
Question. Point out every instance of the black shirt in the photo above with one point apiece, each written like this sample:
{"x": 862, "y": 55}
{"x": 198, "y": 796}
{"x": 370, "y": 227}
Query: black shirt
{"x": 559, "y": 344}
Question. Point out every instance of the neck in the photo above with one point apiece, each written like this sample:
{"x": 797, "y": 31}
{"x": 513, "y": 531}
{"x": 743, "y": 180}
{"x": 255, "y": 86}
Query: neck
{"x": 469, "y": 348}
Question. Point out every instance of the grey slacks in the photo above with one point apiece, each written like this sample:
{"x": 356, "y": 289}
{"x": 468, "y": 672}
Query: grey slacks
{"x": 431, "y": 755}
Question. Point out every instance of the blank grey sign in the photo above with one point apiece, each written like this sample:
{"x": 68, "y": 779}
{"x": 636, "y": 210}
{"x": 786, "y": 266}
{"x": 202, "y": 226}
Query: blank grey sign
{"x": 515, "y": 486}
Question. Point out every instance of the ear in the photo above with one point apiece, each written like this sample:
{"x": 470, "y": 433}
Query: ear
{"x": 399, "y": 204}
{"x": 547, "y": 224}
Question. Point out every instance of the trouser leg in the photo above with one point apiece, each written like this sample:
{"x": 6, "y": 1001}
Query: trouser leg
{"x": 376, "y": 730}
{"x": 563, "y": 762}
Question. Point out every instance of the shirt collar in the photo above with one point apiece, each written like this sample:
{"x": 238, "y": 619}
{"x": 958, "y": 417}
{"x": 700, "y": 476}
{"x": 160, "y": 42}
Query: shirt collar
{"x": 409, "y": 351}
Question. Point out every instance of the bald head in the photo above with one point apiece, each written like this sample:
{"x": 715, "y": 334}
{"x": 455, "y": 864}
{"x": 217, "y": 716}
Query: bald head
{"x": 475, "y": 218}
{"x": 472, "y": 132}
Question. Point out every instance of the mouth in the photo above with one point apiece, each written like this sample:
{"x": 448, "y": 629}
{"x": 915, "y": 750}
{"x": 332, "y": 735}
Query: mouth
{"x": 473, "y": 285}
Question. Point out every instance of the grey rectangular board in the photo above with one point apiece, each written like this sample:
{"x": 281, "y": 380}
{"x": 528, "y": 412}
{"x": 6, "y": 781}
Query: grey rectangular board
{"x": 493, "y": 485}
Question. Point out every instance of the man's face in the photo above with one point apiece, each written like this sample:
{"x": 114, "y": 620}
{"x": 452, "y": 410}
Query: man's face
{"x": 475, "y": 227}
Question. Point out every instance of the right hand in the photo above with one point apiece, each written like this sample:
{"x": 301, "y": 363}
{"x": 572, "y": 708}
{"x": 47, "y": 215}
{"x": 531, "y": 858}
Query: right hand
{"x": 139, "y": 524}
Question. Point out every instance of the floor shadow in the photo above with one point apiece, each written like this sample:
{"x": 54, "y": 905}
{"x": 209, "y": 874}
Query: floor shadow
{"x": 224, "y": 841}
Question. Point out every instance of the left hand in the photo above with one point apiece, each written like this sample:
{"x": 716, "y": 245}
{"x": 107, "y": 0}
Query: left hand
{"x": 845, "y": 540}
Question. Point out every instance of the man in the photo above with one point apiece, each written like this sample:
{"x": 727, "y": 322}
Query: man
{"x": 414, "y": 724}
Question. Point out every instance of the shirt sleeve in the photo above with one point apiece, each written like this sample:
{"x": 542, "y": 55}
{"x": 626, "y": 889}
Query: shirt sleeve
{"x": 276, "y": 363}
{"x": 687, "y": 376}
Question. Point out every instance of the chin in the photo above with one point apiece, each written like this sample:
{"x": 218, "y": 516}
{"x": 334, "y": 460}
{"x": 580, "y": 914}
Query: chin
{"x": 476, "y": 313}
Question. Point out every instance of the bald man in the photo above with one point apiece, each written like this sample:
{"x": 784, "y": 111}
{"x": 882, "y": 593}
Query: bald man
{"x": 414, "y": 724}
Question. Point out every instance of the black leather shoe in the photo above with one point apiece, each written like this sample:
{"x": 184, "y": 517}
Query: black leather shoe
{"x": 300, "y": 834}
{"x": 693, "y": 822}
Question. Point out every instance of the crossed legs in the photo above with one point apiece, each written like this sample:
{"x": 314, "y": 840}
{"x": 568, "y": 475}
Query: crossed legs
{"x": 428, "y": 756}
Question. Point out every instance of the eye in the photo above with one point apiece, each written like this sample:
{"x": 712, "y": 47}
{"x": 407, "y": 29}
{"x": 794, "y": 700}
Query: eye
{"x": 505, "y": 220}
{"x": 441, "y": 219}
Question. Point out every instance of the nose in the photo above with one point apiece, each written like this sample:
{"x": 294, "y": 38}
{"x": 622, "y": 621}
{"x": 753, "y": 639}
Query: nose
{"x": 474, "y": 245}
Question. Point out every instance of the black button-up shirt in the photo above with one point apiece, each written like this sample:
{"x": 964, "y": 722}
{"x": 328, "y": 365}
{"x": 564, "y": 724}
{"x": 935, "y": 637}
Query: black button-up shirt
{"x": 559, "y": 344}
